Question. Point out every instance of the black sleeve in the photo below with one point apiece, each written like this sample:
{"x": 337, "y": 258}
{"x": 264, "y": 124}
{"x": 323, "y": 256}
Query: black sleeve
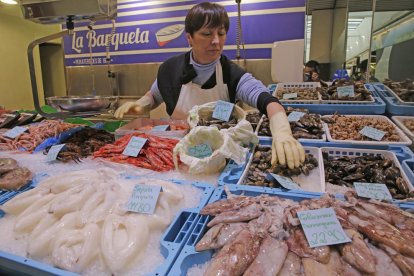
{"x": 265, "y": 99}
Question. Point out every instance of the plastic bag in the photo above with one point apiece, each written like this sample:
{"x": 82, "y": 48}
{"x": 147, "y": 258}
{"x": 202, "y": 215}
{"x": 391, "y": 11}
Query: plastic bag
{"x": 222, "y": 145}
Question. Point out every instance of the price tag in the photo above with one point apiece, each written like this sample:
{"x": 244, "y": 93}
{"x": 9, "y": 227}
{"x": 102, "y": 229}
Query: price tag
{"x": 372, "y": 133}
{"x": 53, "y": 152}
{"x": 285, "y": 182}
{"x": 295, "y": 116}
{"x": 143, "y": 199}
{"x": 161, "y": 128}
{"x": 200, "y": 151}
{"x": 134, "y": 146}
{"x": 223, "y": 110}
{"x": 345, "y": 91}
{"x": 15, "y": 132}
{"x": 373, "y": 190}
{"x": 288, "y": 96}
{"x": 321, "y": 227}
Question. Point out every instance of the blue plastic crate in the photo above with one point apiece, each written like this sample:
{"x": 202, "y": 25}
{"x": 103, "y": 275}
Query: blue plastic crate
{"x": 188, "y": 256}
{"x": 394, "y": 107}
{"x": 232, "y": 172}
{"x": 171, "y": 241}
{"x": 377, "y": 107}
{"x": 408, "y": 167}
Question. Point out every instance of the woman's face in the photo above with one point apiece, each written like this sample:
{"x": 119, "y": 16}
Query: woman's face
{"x": 207, "y": 44}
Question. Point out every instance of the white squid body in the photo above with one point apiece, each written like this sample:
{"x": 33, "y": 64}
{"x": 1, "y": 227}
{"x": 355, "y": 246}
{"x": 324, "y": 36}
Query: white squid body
{"x": 123, "y": 239}
{"x": 79, "y": 218}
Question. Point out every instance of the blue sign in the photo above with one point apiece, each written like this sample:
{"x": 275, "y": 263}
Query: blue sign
{"x": 285, "y": 182}
{"x": 134, "y": 146}
{"x": 223, "y": 110}
{"x": 53, "y": 152}
{"x": 153, "y": 31}
{"x": 372, "y": 133}
{"x": 144, "y": 199}
{"x": 15, "y": 132}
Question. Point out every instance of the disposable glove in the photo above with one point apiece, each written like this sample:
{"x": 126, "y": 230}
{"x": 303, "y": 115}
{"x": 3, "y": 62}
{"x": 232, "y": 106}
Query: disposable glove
{"x": 139, "y": 107}
{"x": 285, "y": 148}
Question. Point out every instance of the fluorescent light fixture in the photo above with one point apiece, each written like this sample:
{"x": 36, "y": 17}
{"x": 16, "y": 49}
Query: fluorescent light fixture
{"x": 11, "y": 2}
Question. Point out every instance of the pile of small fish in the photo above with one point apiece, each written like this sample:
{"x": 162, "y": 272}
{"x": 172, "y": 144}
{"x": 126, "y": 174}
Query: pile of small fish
{"x": 331, "y": 93}
{"x": 404, "y": 89}
{"x": 309, "y": 126}
{"x": 83, "y": 144}
{"x": 12, "y": 176}
{"x": 155, "y": 155}
{"x": 409, "y": 123}
{"x": 261, "y": 166}
{"x": 349, "y": 127}
{"x": 302, "y": 93}
{"x": 220, "y": 124}
{"x": 345, "y": 170}
{"x": 262, "y": 236}
{"x": 254, "y": 118}
{"x": 35, "y": 135}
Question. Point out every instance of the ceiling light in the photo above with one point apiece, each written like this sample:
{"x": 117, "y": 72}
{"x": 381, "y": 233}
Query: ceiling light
{"x": 11, "y": 2}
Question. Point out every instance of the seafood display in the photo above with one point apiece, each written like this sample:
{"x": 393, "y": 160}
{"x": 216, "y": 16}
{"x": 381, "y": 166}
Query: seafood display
{"x": 409, "y": 124}
{"x": 254, "y": 118}
{"x": 302, "y": 93}
{"x": 83, "y": 144}
{"x": 34, "y": 135}
{"x": 155, "y": 155}
{"x": 404, "y": 90}
{"x": 348, "y": 127}
{"x": 12, "y": 176}
{"x": 331, "y": 93}
{"x": 262, "y": 236}
{"x": 220, "y": 124}
{"x": 79, "y": 220}
{"x": 345, "y": 170}
{"x": 261, "y": 166}
{"x": 309, "y": 126}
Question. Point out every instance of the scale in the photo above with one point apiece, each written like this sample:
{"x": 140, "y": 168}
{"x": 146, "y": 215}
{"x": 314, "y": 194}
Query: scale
{"x": 68, "y": 12}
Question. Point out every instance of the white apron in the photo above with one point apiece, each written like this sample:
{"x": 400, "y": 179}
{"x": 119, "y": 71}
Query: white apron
{"x": 191, "y": 94}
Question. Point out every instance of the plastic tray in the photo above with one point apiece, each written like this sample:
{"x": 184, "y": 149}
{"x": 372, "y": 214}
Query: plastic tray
{"x": 171, "y": 241}
{"x": 377, "y": 107}
{"x": 399, "y": 100}
{"x": 393, "y": 106}
{"x": 232, "y": 172}
{"x": 404, "y": 139}
{"x": 133, "y": 126}
{"x": 295, "y": 85}
{"x": 317, "y": 175}
{"x": 363, "y": 152}
{"x": 408, "y": 168}
{"x": 188, "y": 256}
{"x": 399, "y": 120}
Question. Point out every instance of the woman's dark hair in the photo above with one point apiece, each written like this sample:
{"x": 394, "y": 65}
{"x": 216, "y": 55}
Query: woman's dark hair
{"x": 206, "y": 14}
{"x": 314, "y": 65}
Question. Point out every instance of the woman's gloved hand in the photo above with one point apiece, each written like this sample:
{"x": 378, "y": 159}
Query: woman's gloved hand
{"x": 285, "y": 148}
{"x": 139, "y": 107}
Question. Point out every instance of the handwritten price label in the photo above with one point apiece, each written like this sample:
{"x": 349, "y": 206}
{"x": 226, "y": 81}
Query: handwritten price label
{"x": 372, "y": 133}
{"x": 200, "y": 151}
{"x": 15, "y": 132}
{"x": 161, "y": 128}
{"x": 223, "y": 110}
{"x": 321, "y": 227}
{"x": 134, "y": 146}
{"x": 345, "y": 91}
{"x": 285, "y": 182}
{"x": 144, "y": 199}
{"x": 295, "y": 116}
{"x": 289, "y": 96}
{"x": 53, "y": 152}
{"x": 373, "y": 190}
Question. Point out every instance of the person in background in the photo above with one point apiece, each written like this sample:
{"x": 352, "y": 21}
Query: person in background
{"x": 362, "y": 74}
{"x": 311, "y": 71}
{"x": 204, "y": 75}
